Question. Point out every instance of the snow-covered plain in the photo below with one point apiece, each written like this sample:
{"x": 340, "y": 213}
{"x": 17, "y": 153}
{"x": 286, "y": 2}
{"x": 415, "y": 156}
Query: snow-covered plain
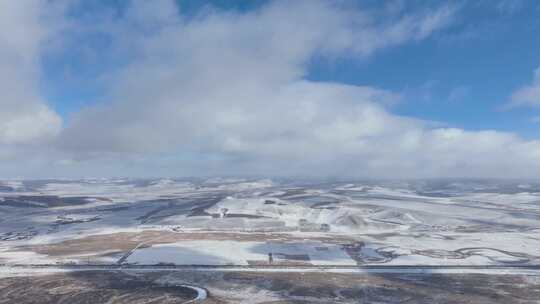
{"x": 240, "y": 222}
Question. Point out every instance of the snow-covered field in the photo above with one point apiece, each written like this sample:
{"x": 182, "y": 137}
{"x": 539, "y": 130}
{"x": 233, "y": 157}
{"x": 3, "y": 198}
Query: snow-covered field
{"x": 240, "y": 222}
{"x": 239, "y": 253}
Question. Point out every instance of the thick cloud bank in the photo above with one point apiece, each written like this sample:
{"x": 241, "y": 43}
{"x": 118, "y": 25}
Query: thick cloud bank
{"x": 226, "y": 93}
{"x": 24, "y": 116}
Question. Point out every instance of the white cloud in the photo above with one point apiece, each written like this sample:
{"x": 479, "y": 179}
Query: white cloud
{"x": 34, "y": 124}
{"x": 223, "y": 72}
{"x": 229, "y": 88}
{"x": 225, "y": 93}
{"x": 528, "y": 95}
{"x": 24, "y": 116}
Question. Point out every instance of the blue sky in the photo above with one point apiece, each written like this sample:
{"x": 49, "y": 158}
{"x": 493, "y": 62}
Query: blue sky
{"x": 324, "y": 88}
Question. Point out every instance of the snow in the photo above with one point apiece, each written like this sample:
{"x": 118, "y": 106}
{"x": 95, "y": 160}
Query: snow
{"x": 237, "y": 253}
{"x": 24, "y": 257}
{"x": 13, "y": 184}
{"x": 467, "y": 223}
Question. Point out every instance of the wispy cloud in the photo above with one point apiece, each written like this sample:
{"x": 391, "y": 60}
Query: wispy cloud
{"x": 509, "y": 6}
{"x": 528, "y": 95}
{"x": 459, "y": 93}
